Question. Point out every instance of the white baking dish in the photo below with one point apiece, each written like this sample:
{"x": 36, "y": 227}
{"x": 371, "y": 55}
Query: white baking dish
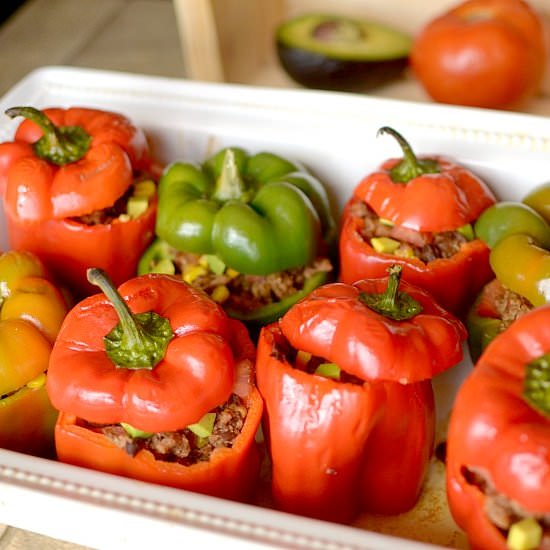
{"x": 335, "y": 136}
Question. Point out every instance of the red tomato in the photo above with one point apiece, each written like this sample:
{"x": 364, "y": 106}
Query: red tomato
{"x": 482, "y": 53}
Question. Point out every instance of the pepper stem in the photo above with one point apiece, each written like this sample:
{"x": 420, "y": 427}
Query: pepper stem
{"x": 230, "y": 184}
{"x": 392, "y": 303}
{"x": 410, "y": 167}
{"x": 59, "y": 144}
{"x": 139, "y": 340}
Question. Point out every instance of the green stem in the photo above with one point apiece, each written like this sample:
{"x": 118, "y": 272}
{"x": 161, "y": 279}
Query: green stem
{"x": 230, "y": 184}
{"x": 410, "y": 167}
{"x": 388, "y": 300}
{"x": 138, "y": 341}
{"x": 392, "y": 303}
{"x": 58, "y": 145}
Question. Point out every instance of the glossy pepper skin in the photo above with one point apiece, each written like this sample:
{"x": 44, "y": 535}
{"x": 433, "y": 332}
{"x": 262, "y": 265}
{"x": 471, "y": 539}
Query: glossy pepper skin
{"x": 426, "y": 195}
{"x": 66, "y": 163}
{"x": 197, "y": 371}
{"x": 246, "y": 209}
{"x": 340, "y": 447}
{"x": 493, "y": 427}
{"x": 32, "y": 309}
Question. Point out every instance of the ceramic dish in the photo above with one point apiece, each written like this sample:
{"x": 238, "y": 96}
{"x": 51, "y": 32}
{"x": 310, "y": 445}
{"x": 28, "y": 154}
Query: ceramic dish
{"x": 335, "y": 136}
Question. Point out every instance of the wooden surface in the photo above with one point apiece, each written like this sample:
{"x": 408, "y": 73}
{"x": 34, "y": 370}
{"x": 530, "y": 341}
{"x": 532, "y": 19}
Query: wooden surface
{"x": 232, "y": 40}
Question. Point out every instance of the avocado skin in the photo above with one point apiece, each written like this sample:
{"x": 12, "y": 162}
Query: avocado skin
{"x": 317, "y": 71}
{"x": 335, "y": 52}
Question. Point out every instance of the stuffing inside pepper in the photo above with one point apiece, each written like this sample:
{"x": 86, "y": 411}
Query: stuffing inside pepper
{"x": 401, "y": 241}
{"x": 238, "y": 291}
{"x": 184, "y": 446}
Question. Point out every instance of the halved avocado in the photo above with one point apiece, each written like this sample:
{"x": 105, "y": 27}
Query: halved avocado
{"x": 331, "y": 52}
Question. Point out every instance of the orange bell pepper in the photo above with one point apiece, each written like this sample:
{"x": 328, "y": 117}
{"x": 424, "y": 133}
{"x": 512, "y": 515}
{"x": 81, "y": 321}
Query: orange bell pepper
{"x": 174, "y": 357}
{"x": 67, "y": 163}
{"x": 31, "y": 312}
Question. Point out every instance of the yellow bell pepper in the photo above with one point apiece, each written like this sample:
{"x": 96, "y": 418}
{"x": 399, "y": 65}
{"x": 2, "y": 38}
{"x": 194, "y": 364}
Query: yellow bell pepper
{"x": 32, "y": 309}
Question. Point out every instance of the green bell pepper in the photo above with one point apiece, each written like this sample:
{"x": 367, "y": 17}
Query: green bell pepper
{"x": 509, "y": 218}
{"x": 518, "y": 235}
{"x": 258, "y": 214}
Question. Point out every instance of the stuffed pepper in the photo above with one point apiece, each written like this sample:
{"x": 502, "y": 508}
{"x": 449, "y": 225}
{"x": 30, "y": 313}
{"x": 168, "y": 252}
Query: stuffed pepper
{"x": 346, "y": 379}
{"x": 32, "y": 309}
{"x": 510, "y": 230}
{"x": 253, "y": 231}
{"x": 418, "y": 212}
{"x": 79, "y": 192}
{"x": 153, "y": 381}
{"x": 498, "y": 446}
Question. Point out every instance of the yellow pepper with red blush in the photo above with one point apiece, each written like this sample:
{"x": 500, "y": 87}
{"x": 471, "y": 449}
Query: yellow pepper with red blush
{"x": 32, "y": 309}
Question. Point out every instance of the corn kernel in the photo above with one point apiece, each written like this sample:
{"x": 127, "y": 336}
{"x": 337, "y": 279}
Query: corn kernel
{"x": 384, "y": 245}
{"x": 405, "y": 252}
{"x": 220, "y": 294}
{"x": 524, "y": 535}
{"x": 145, "y": 189}
{"x": 192, "y": 272}
{"x": 231, "y": 273}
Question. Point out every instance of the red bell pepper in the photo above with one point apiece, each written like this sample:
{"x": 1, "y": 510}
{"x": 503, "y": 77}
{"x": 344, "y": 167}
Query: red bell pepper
{"x": 174, "y": 357}
{"x": 426, "y": 196}
{"x": 362, "y": 441}
{"x": 498, "y": 444}
{"x": 10, "y": 152}
{"x": 66, "y": 164}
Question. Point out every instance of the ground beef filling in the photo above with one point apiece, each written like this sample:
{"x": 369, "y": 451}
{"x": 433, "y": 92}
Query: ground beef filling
{"x": 109, "y": 214}
{"x": 507, "y": 304}
{"x": 182, "y": 446}
{"x": 250, "y": 292}
{"x": 424, "y": 246}
{"x": 502, "y": 511}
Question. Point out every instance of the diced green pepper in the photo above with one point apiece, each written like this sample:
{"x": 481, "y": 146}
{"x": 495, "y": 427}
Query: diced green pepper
{"x": 205, "y": 426}
{"x": 135, "y": 432}
{"x": 329, "y": 370}
{"x": 467, "y": 231}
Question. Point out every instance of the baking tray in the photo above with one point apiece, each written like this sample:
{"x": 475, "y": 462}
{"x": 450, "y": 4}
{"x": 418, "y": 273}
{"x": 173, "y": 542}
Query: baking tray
{"x": 335, "y": 136}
